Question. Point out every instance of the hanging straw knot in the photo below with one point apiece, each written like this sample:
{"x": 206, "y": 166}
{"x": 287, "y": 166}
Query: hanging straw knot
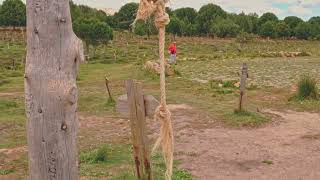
{"x": 162, "y": 113}
{"x": 148, "y": 7}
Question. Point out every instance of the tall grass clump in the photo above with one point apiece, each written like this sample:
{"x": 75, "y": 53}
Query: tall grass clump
{"x": 307, "y": 88}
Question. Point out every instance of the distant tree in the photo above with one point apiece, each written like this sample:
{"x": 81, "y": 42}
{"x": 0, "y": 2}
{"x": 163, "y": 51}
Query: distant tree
{"x": 92, "y": 31}
{"x": 208, "y": 15}
{"x": 111, "y": 21}
{"x": 268, "y": 29}
{"x": 247, "y": 23}
{"x": 303, "y": 30}
{"x": 292, "y": 22}
{"x": 140, "y": 28}
{"x": 1, "y": 21}
{"x": 186, "y": 14}
{"x": 126, "y": 15}
{"x": 169, "y": 11}
{"x": 174, "y": 27}
{"x": 225, "y": 28}
{"x": 13, "y": 13}
{"x": 315, "y": 27}
{"x": 75, "y": 11}
{"x": 265, "y": 18}
{"x": 314, "y": 20}
{"x": 282, "y": 29}
{"x": 188, "y": 29}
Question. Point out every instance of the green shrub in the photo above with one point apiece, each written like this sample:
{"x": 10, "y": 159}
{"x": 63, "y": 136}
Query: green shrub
{"x": 244, "y": 37}
{"x": 307, "y": 88}
{"x": 6, "y": 171}
{"x": 101, "y": 155}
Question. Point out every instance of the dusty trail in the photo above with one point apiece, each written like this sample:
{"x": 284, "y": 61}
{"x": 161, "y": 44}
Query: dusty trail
{"x": 288, "y": 150}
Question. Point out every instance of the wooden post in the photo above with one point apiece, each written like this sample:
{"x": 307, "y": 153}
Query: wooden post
{"x": 53, "y": 56}
{"x": 13, "y": 64}
{"x": 108, "y": 89}
{"x": 244, "y": 76}
{"x": 141, "y": 150}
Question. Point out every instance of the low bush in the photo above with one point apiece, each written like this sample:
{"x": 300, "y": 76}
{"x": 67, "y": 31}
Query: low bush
{"x": 307, "y": 88}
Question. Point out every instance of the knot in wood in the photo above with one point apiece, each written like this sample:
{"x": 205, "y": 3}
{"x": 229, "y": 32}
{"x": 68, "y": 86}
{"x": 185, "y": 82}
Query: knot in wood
{"x": 72, "y": 95}
{"x": 64, "y": 127}
{"x": 36, "y": 30}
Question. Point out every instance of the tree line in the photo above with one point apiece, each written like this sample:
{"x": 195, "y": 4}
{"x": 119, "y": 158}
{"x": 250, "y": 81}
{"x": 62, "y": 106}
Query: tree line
{"x": 95, "y": 26}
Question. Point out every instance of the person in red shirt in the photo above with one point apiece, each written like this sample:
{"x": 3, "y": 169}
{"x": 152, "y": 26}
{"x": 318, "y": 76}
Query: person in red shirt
{"x": 173, "y": 53}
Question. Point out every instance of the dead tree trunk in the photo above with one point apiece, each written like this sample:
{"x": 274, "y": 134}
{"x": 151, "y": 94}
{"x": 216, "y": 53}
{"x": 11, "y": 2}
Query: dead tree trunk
{"x": 53, "y": 55}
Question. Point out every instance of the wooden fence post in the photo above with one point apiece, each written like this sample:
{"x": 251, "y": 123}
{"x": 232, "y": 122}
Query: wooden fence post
{"x": 108, "y": 89}
{"x": 137, "y": 114}
{"x": 244, "y": 76}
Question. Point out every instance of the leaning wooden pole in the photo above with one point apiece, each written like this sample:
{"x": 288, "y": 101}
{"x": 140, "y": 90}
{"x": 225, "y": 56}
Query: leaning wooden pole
{"x": 53, "y": 55}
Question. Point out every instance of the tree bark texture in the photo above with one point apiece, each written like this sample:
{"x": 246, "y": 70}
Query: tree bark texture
{"x": 53, "y": 56}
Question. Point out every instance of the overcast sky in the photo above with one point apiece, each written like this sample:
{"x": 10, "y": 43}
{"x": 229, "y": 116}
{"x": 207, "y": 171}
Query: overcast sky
{"x": 302, "y": 8}
{"x": 282, "y": 8}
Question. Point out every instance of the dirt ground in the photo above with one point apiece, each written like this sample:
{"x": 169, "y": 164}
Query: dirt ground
{"x": 286, "y": 149}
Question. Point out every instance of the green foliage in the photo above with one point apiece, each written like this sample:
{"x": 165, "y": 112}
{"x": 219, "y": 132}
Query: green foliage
{"x": 6, "y": 171}
{"x": 225, "y": 28}
{"x": 175, "y": 26}
{"x": 315, "y": 27}
{"x": 247, "y": 23}
{"x": 186, "y": 14}
{"x": 93, "y": 31}
{"x": 208, "y": 15}
{"x": 13, "y": 13}
{"x": 267, "y": 17}
{"x": 106, "y": 154}
{"x": 268, "y": 29}
{"x": 126, "y": 15}
{"x": 282, "y": 29}
{"x": 292, "y": 22}
{"x": 140, "y": 28}
{"x": 147, "y": 27}
{"x": 307, "y": 88}
{"x": 303, "y": 30}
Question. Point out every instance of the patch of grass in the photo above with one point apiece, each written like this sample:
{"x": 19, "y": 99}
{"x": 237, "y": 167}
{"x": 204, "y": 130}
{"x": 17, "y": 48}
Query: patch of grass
{"x": 3, "y": 80}
{"x": 110, "y": 103}
{"x": 245, "y": 119}
{"x": 107, "y": 154}
{"x": 6, "y": 171}
{"x": 268, "y": 162}
{"x": 158, "y": 167}
{"x": 12, "y": 123}
{"x": 229, "y": 84}
{"x": 4, "y": 104}
{"x": 307, "y": 88}
{"x": 305, "y": 105}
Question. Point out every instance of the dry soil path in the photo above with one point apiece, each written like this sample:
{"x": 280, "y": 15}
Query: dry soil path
{"x": 286, "y": 150}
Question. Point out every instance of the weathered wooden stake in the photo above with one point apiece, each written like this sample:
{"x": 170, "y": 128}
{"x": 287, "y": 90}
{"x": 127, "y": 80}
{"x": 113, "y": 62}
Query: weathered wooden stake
{"x": 108, "y": 89}
{"x": 141, "y": 149}
{"x": 13, "y": 64}
{"x": 244, "y": 76}
{"x": 53, "y": 56}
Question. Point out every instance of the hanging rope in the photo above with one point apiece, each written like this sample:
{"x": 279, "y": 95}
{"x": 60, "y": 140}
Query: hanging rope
{"x": 162, "y": 114}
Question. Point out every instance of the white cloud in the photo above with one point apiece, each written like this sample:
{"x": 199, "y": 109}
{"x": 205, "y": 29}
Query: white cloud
{"x": 299, "y": 10}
